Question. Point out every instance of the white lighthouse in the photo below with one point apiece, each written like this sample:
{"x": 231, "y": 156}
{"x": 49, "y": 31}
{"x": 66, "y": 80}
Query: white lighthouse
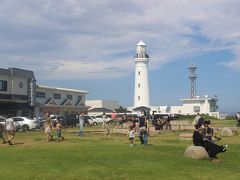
{"x": 141, "y": 94}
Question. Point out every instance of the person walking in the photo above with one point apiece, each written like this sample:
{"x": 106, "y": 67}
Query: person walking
{"x": 131, "y": 135}
{"x": 2, "y": 129}
{"x": 48, "y": 127}
{"x": 81, "y": 123}
{"x": 59, "y": 128}
{"x": 10, "y": 130}
{"x": 104, "y": 118}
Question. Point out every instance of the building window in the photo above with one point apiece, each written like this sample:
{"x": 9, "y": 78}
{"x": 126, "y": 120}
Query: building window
{"x": 69, "y": 96}
{"x": 79, "y": 98}
{"x": 196, "y": 109}
{"x": 56, "y": 96}
{"x": 3, "y": 85}
{"x": 139, "y": 97}
{"x": 139, "y": 85}
{"x": 139, "y": 73}
{"x": 40, "y": 94}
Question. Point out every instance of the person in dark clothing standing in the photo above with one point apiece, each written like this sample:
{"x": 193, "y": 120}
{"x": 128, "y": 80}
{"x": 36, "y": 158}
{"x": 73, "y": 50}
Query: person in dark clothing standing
{"x": 211, "y": 148}
{"x": 143, "y": 134}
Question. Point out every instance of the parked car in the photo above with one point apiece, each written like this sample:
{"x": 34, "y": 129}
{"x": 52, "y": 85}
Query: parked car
{"x": 165, "y": 116}
{"x": 26, "y": 123}
{"x": 68, "y": 120}
{"x": 3, "y": 121}
{"x": 99, "y": 119}
{"x": 89, "y": 120}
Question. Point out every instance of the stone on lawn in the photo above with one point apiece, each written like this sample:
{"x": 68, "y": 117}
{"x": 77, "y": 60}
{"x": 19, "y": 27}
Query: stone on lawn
{"x": 227, "y": 132}
{"x": 196, "y": 152}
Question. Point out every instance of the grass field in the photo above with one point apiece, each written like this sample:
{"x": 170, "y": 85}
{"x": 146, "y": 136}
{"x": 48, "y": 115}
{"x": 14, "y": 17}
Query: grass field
{"x": 98, "y": 157}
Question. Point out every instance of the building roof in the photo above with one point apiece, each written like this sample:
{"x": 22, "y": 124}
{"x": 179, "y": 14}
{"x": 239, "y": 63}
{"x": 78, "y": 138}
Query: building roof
{"x": 17, "y": 72}
{"x": 140, "y": 108}
{"x": 62, "y": 89}
{"x": 104, "y": 110}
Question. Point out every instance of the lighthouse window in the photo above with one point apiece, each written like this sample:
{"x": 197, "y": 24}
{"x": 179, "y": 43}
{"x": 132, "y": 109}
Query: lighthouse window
{"x": 139, "y": 72}
{"x": 139, "y": 97}
{"x": 139, "y": 85}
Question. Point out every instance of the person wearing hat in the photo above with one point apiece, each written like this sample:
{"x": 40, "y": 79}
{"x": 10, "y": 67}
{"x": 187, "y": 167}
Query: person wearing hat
{"x": 211, "y": 148}
{"x": 207, "y": 132}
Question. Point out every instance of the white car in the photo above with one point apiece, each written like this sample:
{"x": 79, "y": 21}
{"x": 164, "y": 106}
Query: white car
{"x": 99, "y": 119}
{"x": 26, "y": 123}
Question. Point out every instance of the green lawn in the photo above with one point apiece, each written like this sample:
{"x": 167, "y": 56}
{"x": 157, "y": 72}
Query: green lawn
{"x": 98, "y": 157}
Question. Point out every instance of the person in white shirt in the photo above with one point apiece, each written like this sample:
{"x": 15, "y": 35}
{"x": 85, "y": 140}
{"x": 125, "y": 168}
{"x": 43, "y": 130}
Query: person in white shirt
{"x": 10, "y": 130}
{"x": 131, "y": 135}
{"x": 196, "y": 119}
{"x": 81, "y": 124}
{"x": 238, "y": 119}
{"x": 104, "y": 120}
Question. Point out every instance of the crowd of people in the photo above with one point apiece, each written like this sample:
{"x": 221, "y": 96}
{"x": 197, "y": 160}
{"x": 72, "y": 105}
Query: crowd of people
{"x": 203, "y": 134}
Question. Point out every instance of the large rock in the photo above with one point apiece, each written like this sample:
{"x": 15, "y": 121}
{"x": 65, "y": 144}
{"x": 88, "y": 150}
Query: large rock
{"x": 226, "y": 132}
{"x": 196, "y": 152}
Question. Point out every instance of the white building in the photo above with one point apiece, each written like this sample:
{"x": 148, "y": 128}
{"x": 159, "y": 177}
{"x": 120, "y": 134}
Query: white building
{"x": 98, "y": 107}
{"x": 60, "y": 100}
{"x": 192, "y": 106}
{"x": 141, "y": 93}
{"x": 108, "y": 104}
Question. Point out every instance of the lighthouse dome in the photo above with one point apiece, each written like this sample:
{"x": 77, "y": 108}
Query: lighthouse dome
{"x": 141, "y": 43}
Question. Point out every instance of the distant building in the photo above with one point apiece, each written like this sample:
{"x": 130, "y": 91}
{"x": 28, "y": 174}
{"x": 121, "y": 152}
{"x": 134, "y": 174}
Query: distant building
{"x": 192, "y": 106}
{"x": 60, "y": 100}
{"x": 20, "y": 96}
{"x": 99, "y": 111}
{"x": 108, "y": 104}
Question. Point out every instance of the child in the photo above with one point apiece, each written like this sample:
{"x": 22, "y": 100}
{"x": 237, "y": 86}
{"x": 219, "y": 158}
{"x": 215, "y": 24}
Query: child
{"x": 1, "y": 133}
{"x": 131, "y": 135}
{"x": 59, "y": 130}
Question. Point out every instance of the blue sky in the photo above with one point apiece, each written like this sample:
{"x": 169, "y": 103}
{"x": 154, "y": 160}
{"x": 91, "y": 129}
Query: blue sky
{"x": 90, "y": 45}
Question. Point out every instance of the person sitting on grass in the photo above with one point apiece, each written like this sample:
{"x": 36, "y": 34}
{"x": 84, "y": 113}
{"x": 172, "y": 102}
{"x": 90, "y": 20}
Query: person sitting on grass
{"x": 211, "y": 148}
{"x": 48, "y": 127}
{"x": 131, "y": 135}
{"x": 59, "y": 128}
{"x": 2, "y": 128}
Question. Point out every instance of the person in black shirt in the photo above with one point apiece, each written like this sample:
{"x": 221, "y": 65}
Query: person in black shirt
{"x": 207, "y": 132}
{"x": 211, "y": 148}
{"x": 143, "y": 134}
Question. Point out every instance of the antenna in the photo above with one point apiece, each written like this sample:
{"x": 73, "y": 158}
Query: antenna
{"x": 193, "y": 76}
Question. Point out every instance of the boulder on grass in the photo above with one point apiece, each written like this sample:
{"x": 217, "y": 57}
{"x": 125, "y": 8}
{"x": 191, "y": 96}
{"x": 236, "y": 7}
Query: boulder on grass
{"x": 196, "y": 152}
{"x": 227, "y": 132}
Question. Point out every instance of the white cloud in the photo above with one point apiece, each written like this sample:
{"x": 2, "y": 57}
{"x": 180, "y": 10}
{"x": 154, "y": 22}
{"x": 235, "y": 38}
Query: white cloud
{"x": 96, "y": 39}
